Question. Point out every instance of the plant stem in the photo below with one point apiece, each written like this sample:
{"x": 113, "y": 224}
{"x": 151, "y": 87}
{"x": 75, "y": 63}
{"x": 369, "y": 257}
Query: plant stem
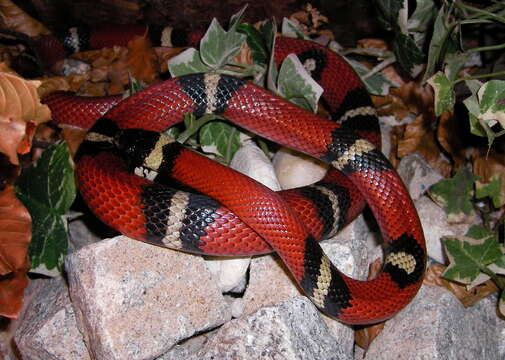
{"x": 383, "y": 64}
{"x": 481, "y": 12}
{"x": 482, "y": 76}
{"x": 486, "y": 48}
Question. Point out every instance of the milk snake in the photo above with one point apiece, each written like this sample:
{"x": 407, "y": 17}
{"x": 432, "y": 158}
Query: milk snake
{"x": 166, "y": 204}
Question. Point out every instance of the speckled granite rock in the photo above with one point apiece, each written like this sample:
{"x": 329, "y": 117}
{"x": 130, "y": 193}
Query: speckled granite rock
{"x": 289, "y": 330}
{"x": 436, "y": 326}
{"x": 135, "y": 301}
{"x": 47, "y": 329}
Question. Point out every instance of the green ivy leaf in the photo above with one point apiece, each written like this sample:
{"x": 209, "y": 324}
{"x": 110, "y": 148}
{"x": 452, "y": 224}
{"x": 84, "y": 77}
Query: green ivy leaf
{"x": 492, "y": 189}
{"x": 469, "y": 254}
{"x": 388, "y": 12}
{"x": 255, "y": 40}
{"x": 268, "y": 30}
{"x": 218, "y": 47}
{"x": 455, "y": 195}
{"x": 219, "y": 138}
{"x": 410, "y": 57}
{"x": 420, "y": 22}
{"x": 187, "y": 62}
{"x": 444, "y": 94}
{"x": 296, "y": 85}
{"x": 47, "y": 189}
{"x": 443, "y": 43}
{"x": 422, "y": 18}
{"x": 377, "y": 84}
{"x": 292, "y": 30}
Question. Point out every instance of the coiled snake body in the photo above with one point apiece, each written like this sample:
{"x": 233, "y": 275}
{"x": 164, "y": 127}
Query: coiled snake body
{"x": 241, "y": 216}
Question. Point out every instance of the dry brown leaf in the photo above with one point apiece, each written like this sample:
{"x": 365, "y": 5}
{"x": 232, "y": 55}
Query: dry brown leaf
{"x": 366, "y": 334}
{"x": 73, "y": 137}
{"x": 15, "y": 236}
{"x": 142, "y": 59}
{"x": 418, "y": 137}
{"x": 244, "y": 56}
{"x": 19, "y": 105}
{"x": 61, "y": 83}
{"x": 15, "y": 232}
{"x": 448, "y": 131}
{"x": 466, "y": 297}
{"x": 11, "y": 294}
{"x": 166, "y": 53}
{"x": 372, "y": 44}
{"x": 15, "y": 19}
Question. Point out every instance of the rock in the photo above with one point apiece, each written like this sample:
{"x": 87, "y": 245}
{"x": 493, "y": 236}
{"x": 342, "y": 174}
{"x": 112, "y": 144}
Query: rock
{"x": 417, "y": 175}
{"x": 269, "y": 281}
{"x": 230, "y": 273}
{"x": 135, "y": 301}
{"x": 188, "y": 348}
{"x": 75, "y": 67}
{"x": 288, "y": 330}
{"x": 47, "y": 329}
{"x": 436, "y": 326}
{"x": 294, "y": 169}
{"x": 80, "y": 230}
{"x": 252, "y": 161}
{"x": 433, "y": 220}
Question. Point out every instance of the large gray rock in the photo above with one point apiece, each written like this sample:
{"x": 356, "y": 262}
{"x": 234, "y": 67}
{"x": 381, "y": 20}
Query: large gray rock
{"x": 434, "y": 221}
{"x": 288, "y": 330}
{"x": 436, "y": 326}
{"x": 417, "y": 174}
{"x": 135, "y": 301}
{"x": 47, "y": 329}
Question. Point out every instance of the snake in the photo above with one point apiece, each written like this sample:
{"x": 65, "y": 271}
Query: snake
{"x": 146, "y": 185}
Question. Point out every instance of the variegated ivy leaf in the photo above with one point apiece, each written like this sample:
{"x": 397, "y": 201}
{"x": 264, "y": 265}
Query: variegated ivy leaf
{"x": 444, "y": 94}
{"x": 492, "y": 102}
{"x": 187, "y": 62}
{"x": 292, "y": 30}
{"x": 377, "y": 84}
{"x": 218, "y": 47}
{"x": 472, "y": 104}
{"x": 486, "y": 107}
{"x": 455, "y": 196}
{"x": 296, "y": 85}
{"x": 469, "y": 254}
{"x": 220, "y": 138}
{"x": 492, "y": 189}
{"x": 454, "y": 63}
{"x": 47, "y": 189}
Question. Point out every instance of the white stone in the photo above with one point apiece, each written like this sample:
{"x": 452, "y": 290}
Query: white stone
{"x": 230, "y": 274}
{"x": 294, "y": 169}
{"x": 252, "y": 161}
